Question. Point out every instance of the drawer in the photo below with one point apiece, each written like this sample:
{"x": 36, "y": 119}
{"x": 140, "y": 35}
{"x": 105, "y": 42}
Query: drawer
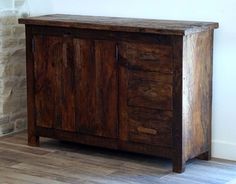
{"x": 146, "y": 57}
{"x": 150, "y": 94}
{"x": 149, "y": 126}
{"x": 151, "y": 76}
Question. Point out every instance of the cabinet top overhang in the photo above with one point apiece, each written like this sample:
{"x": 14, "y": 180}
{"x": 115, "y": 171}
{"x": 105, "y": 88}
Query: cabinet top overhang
{"x": 170, "y": 27}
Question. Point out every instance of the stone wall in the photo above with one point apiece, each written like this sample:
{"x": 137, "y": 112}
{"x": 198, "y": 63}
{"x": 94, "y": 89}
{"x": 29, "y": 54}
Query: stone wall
{"x": 12, "y": 74}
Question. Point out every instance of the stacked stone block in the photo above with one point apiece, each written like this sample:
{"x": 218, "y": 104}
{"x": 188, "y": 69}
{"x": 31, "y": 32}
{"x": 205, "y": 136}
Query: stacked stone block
{"x": 12, "y": 74}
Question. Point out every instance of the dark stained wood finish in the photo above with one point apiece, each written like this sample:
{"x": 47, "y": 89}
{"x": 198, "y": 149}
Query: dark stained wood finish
{"x": 54, "y": 83}
{"x": 103, "y": 35}
{"x": 121, "y": 24}
{"x": 146, "y": 57}
{"x": 97, "y": 87}
{"x": 149, "y": 130}
{"x": 151, "y": 77}
{"x": 130, "y": 84}
{"x": 146, "y": 114}
{"x": 146, "y": 76}
{"x": 47, "y": 58}
{"x": 178, "y": 129}
{"x": 106, "y": 89}
{"x": 149, "y": 94}
{"x": 86, "y": 84}
{"x": 33, "y": 139}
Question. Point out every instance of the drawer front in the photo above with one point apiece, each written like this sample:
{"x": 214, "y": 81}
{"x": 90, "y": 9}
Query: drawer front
{"x": 150, "y": 126}
{"x": 150, "y": 94}
{"x": 146, "y": 57}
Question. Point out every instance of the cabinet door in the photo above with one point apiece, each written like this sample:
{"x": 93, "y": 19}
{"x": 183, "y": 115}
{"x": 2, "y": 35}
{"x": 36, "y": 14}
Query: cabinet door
{"x": 145, "y": 93}
{"x": 96, "y": 75}
{"x": 54, "y": 82}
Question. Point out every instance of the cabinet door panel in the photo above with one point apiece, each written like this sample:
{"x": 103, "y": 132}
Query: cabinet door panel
{"x": 54, "y": 83}
{"x": 97, "y": 87}
{"x": 86, "y": 85}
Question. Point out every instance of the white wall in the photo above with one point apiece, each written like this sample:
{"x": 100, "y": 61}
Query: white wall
{"x": 224, "y": 80}
{"x": 40, "y": 7}
{"x": 6, "y": 4}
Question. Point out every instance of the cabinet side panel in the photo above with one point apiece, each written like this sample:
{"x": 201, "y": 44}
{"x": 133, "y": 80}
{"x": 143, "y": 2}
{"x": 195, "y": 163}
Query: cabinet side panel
{"x": 197, "y": 93}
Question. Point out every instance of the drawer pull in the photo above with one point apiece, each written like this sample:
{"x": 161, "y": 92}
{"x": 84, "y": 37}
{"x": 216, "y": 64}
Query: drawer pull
{"x": 147, "y": 130}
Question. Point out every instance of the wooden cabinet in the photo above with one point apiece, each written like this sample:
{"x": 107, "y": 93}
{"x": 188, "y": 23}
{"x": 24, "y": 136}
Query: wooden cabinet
{"x": 129, "y": 84}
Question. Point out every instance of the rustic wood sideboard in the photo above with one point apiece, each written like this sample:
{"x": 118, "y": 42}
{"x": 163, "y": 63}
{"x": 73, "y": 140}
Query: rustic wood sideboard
{"x": 138, "y": 85}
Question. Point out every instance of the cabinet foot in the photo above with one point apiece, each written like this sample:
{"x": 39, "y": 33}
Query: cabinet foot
{"x": 33, "y": 141}
{"x": 205, "y": 156}
{"x": 178, "y": 166}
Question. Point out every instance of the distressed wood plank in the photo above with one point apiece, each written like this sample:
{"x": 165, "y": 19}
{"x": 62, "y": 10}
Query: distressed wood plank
{"x": 150, "y": 95}
{"x": 54, "y": 83}
{"x": 121, "y": 24}
{"x": 97, "y": 87}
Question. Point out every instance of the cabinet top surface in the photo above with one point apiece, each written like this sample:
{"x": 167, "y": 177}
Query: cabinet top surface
{"x": 155, "y": 26}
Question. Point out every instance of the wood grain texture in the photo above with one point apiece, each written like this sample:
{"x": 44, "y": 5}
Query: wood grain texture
{"x": 156, "y": 120}
{"x": 54, "y": 83}
{"x": 107, "y": 88}
{"x": 197, "y": 90}
{"x": 121, "y": 24}
{"x": 138, "y": 91}
{"x": 146, "y": 84}
{"x": 150, "y": 132}
{"x": 57, "y": 162}
{"x": 47, "y": 58}
{"x": 151, "y": 77}
{"x": 177, "y": 157}
{"x": 122, "y": 102}
{"x": 97, "y": 87}
{"x": 103, "y": 35}
{"x": 67, "y": 87}
{"x": 33, "y": 139}
{"x": 86, "y": 84}
{"x": 146, "y": 57}
{"x": 149, "y": 94}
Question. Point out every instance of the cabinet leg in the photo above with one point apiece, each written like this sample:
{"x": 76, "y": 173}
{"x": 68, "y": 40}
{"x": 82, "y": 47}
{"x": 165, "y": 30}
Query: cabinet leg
{"x": 205, "y": 156}
{"x": 178, "y": 165}
{"x": 33, "y": 140}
